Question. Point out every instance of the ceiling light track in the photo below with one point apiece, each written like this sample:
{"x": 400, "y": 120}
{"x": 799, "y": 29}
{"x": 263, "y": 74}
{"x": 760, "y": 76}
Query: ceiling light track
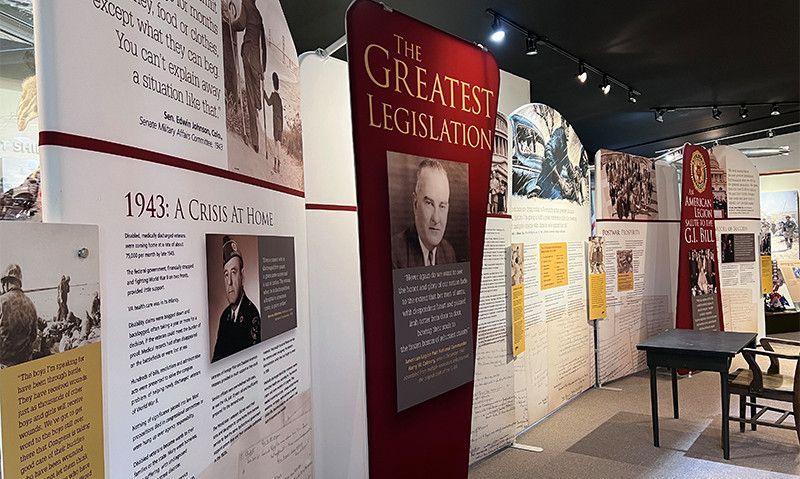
{"x": 716, "y": 108}
{"x": 499, "y": 23}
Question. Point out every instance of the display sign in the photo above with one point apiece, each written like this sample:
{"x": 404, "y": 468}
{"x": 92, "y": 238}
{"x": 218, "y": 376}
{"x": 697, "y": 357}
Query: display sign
{"x": 517, "y": 299}
{"x": 597, "y": 278}
{"x": 698, "y": 301}
{"x": 193, "y": 170}
{"x": 51, "y": 401}
{"x": 423, "y": 129}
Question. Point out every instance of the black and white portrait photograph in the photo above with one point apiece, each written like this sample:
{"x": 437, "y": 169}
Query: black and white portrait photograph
{"x": 49, "y": 290}
{"x": 624, "y": 261}
{"x": 429, "y": 211}
{"x": 517, "y": 263}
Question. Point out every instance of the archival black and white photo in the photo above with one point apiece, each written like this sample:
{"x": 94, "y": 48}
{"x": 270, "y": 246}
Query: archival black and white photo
{"x": 498, "y": 176}
{"x": 428, "y": 211}
{"x": 765, "y": 240}
{"x": 517, "y": 263}
{"x": 719, "y": 184}
{"x": 596, "y": 255}
{"x": 737, "y": 248}
{"x": 702, "y": 272}
{"x": 262, "y": 93}
{"x": 624, "y": 261}
{"x": 49, "y": 290}
{"x": 628, "y": 186}
{"x": 548, "y": 159}
{"x": 251, "y": 291}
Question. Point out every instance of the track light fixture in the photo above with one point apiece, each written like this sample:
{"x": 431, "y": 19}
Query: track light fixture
{"x": 582, "y": 76}
{"x": 498, "y": 33}
{"x": 716, "y": 108}
{"x": 660, "y": 116}
{"x": 605, "y": 87}
{"x": 534, "y": 40}
{"x": 530, "y": 46}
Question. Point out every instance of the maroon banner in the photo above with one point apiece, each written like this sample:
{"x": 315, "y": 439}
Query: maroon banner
{"x": 424, "y": 104}
{"x": 699, "y": 301}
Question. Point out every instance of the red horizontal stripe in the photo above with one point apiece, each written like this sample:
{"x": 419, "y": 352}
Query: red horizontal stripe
{"x": 498, "y": 215}
{"x": 637, "y": 221}
{"x": 319, "y": 206}
{"x": 57, "y": 138}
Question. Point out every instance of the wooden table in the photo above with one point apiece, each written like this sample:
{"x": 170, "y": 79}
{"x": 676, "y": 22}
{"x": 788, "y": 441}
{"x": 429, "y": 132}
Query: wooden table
{"x": 696, "y": 351}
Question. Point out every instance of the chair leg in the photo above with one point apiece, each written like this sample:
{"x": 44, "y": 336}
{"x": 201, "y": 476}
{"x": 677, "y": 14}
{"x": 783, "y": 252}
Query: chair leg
{"x": 753, "y": 412}
{"x": 742, "y": 411}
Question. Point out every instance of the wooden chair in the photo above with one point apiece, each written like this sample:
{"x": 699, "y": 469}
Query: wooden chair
{"x": 773, "y": 385}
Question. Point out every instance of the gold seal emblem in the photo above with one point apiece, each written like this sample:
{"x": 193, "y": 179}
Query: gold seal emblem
{"x": 698, "y": 168}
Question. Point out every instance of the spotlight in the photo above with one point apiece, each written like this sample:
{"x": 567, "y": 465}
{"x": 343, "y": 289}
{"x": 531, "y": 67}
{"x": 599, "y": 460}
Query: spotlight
{"x": 530, "y": 46}
{"x": 605, "y": 87}
{"x": 715, "y": 112}
{"x": 498, "y": 34}
{"x": 770, "y": 133}
{"x": 631, "y": 96}
{"x": 743, "y": 111}
{"x": 775, "y": 111}
{"x": 660, "y": 116}
{"x": 582, "y": 75}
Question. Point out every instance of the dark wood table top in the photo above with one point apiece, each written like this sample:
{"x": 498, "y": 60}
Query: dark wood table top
{"x": 722, "y": 343}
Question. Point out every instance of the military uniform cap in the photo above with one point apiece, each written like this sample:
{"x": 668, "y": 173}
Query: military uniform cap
{"x": 229, "y": 250}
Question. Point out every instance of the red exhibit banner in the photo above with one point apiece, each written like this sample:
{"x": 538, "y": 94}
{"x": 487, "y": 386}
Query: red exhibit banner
{"x": 423, "y": 106}
{"x": 699, "y": 302}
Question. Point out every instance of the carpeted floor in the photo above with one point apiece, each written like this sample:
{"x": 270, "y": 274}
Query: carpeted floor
{"x": 608, "y": 434}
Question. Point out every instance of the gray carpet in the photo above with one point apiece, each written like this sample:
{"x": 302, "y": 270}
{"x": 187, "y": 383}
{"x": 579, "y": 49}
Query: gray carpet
{"x": 608, "y": 434}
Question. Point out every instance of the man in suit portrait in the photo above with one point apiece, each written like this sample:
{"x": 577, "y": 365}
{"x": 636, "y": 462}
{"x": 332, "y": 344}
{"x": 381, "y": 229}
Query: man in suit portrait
{"x": 423, "y": 243}
{"x": 240, "y": 322}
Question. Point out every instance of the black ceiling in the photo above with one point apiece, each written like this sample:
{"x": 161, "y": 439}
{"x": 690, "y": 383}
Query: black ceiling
{"x": 676, "y": 53}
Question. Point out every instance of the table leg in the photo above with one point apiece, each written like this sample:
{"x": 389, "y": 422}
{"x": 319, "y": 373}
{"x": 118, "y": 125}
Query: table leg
{"x": 753, "y": 412}
{"x": 675, "y": 393}
{"x": 726, "y": 447}
{"x": 742, "y": 411}
{"x": 654, "y": 404}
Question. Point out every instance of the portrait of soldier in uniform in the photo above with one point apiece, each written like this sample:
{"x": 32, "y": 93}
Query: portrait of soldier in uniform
{"x": 240, "y": 320}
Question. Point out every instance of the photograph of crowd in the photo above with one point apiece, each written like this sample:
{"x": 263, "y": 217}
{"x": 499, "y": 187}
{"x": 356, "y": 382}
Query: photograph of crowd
{"x": 624, "y": 261}
{"x": 548, "y": 159}
{"x": 628, "y": 186}
{"x": 596, "y": 253}
{"x": 719, "y": 184}
{"x": 702, "y": 272}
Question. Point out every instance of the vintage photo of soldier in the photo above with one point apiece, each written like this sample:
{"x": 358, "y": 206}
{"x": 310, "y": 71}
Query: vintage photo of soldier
{"x": 548, "y": 159}
{"x": 779, "y": 218}
{"x": 429, "y": 211}
{"x": 262, "y": 93}
{"x": 49, "y": 291}
{"x": 234, "y": 317}
{"x": 596, "y": 254}
{"x": 702, "y": 272}
{"x": 517, "y": 264}
{"x": 628, "y": 186}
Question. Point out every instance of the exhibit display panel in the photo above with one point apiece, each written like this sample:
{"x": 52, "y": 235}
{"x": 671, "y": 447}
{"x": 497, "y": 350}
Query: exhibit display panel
{"x": 51, "y": 402}
{"x": 737, "y": 212}
{"x": 337, "y": 333}
{"x": 699, "y": 298}
{"x": 636, "y": 205}
{"x": 423, "y": 129}
{"x": 550, "y": 211}
{"x": 195, "y": 180}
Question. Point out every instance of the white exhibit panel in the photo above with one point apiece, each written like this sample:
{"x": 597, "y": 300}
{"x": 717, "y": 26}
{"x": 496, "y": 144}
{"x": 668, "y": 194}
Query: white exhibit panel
{"x": 550, "y": 211}
{"x": 735, "y": 183}
{"x": 183, "y": 144}
{"x": 337, "y": 333}
{"x": 493, "y": 402}
{"x": 636, "y": 205}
